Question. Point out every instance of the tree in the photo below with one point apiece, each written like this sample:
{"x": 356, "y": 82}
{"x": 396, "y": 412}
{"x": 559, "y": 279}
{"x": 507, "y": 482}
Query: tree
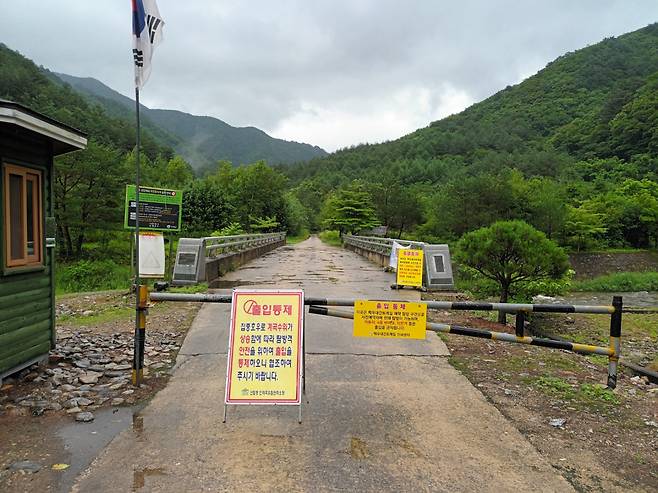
{"x": 178, "y": 173}
{"x": 349, "y": 210}
{"x": 89, "y": 189}
{"x": 206, "y": 208}
{"x": 511, "y": 253}
{"x": 582, "y": 227}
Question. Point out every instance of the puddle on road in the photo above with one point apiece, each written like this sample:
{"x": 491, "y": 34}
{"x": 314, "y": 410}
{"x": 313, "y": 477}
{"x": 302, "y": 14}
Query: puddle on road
{"x": 358, "y": 449}
{"x": 140, "y": 475}
{"x": 84, "y": 441}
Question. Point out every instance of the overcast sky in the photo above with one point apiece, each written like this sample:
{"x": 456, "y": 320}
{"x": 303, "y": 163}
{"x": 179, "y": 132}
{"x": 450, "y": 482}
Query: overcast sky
{"x": 331, "y": 73}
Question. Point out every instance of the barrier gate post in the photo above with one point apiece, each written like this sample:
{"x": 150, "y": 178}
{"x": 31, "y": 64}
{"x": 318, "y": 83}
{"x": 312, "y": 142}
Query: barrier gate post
{"x": 615, "y": 341}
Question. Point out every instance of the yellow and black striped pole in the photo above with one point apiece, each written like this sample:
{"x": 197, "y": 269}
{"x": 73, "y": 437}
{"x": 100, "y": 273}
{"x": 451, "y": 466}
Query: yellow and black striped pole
{"x": 140, "y": 335}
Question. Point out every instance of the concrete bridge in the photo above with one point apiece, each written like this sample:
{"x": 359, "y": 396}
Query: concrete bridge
{"x": 379, "y": 415}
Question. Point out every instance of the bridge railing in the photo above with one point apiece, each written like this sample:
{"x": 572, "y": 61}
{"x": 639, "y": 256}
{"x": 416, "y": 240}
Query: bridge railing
{"x": 206, "y": 259}
{"x": 376, "y": 244}
{"x": 215, "y": 246}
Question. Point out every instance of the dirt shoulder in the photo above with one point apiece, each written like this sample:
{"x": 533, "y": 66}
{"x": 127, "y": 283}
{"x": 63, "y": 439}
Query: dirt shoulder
{"x": 600, "y": 440}
{"x": 87, "y": 377}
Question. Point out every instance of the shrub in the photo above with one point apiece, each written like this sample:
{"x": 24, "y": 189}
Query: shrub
{"x": 91, "y": 275}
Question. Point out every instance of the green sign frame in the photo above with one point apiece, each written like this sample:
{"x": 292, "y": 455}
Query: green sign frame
{"x": 161, "y": 209}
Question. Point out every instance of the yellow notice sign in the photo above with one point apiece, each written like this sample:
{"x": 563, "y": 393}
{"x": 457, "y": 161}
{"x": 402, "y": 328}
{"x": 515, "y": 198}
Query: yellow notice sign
{"x": 265, "y": 347}
{"x": 410, "y": 268}
{"x": 398, "y": 319}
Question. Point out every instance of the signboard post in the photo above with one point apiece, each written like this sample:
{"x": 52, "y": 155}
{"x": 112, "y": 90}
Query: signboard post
{"x": 159, "y": 209}
{"x": 265, "y": 354}
{"x": 390, "y": 319}
{"x": 410, "y": 268}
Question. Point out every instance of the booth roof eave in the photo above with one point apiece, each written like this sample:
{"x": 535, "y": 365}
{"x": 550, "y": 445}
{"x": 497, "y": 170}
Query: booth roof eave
{"x": 65, "y": 138}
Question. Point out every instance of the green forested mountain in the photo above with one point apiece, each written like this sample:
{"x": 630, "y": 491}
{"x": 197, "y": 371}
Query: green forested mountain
{"x": 23, "y": 82}
{"x": 572, "y": 149}
{"x": 89, "y": 184}
{"x": 201, "y": 140}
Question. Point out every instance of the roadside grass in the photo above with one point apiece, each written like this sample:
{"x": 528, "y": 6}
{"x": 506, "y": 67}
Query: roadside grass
{"x": 619, "y": 282}
{"x": 111, "y": 314}
{"x": 91, "y": 275}
{"x": 331, "y": 238}
{"x": 460, "y": 364}
{"x": 292, "y": 240}
{"x": 191, "y": 289}
{"x": 585, "y": 395}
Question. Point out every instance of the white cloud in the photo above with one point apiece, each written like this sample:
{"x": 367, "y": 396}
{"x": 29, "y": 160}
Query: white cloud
{"x": 375, "y": 120}
{"x": 329, "y": 72}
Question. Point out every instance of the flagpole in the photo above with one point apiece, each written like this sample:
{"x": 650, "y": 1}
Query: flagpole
{"x": 138, "y": 350}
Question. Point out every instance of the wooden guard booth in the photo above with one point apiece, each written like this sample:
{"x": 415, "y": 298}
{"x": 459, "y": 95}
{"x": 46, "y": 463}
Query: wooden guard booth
{"x": 28, "y": 143}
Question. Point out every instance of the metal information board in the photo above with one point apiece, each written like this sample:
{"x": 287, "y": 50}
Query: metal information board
{"x": 390, "y": 319}
{"x": 265, "y": 347}
{"x": 159, "y": 209}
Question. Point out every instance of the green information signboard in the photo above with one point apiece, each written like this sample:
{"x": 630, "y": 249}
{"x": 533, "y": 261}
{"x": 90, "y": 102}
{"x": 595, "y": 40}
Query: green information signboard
{"x": 159, "y": 209}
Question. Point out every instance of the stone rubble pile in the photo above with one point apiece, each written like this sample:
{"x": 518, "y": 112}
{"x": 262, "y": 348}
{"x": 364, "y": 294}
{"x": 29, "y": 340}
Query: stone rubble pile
{"x": 86, "y": 371}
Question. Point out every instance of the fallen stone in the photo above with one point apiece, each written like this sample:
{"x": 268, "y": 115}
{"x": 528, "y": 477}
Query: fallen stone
{"x": 84, "y": 417}
{"x": 82, "y": 363}
{"x": 117, "y": 401}
{"x": 90, "y": 377}
{"x": 83, "y": 401}
{"x": 114, "y": 373}
{"x": 128, "y": 392}
{"x": 73, "y": 410}
{"x": 25, "y": 465}
{"x": 557, "y": 422}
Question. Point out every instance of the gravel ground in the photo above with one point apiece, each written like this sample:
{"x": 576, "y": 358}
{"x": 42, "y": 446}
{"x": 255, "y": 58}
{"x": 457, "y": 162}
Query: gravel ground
{"x": 88, "y": 372}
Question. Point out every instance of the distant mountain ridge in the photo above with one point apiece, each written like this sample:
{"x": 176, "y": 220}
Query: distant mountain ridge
{"x": 598, "y": 102}
{"x": 201, "y": 140}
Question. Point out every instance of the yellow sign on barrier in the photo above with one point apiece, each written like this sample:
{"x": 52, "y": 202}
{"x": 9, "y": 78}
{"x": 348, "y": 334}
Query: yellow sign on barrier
{"x": 391, "y": 319}
{"x": 410, "y": 268}
{"x": 265, "y": 347}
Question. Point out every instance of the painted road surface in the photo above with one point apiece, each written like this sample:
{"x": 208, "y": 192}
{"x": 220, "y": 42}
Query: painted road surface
{"x": 379, "y": 415}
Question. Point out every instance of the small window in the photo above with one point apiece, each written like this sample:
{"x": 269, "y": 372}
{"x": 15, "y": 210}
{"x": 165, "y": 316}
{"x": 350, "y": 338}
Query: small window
{"x": 22, "y": 222}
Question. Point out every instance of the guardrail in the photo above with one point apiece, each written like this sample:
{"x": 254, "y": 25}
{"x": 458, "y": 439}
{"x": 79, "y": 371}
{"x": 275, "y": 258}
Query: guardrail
{"x": 215, "y": 246}
{"x": 379, "y": 245}
{"x": 206, "y": 259}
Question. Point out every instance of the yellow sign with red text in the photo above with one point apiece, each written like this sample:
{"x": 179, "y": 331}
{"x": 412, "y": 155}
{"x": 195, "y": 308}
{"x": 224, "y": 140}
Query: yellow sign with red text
{"x": 396, "y": 319}
{"x": 410, "y": 268}
{"x": 265, "y": 347}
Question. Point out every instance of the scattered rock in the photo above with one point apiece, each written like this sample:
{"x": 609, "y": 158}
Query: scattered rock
{"x": 90, "y": 377}
{"x": 73, "y": 410}
{"x": 557, "y": 422}
{"x": 651, "y": 423}
{"x": 82, "y": 363}
{"x": 83, "y": 401}
{"x": 87, "y": 313}
{"x": 117, "y": 401}
{"x": 84, "y": 417}
{"x": 25, "y": 465}
{"x": 128, "y": 392}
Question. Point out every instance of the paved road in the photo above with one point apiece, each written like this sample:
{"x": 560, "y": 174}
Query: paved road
{"x": 380, "y": 415}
